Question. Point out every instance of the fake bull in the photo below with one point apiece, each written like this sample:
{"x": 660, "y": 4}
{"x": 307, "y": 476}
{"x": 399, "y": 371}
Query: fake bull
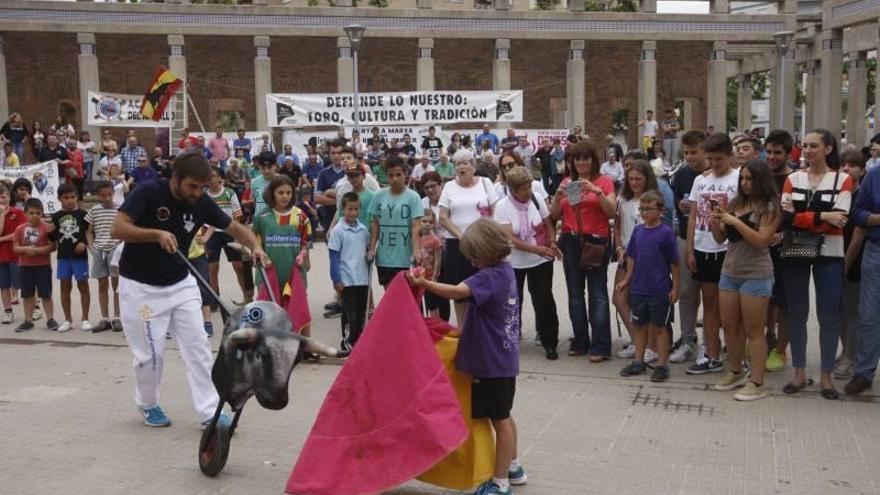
{"x": 257, "y": 354}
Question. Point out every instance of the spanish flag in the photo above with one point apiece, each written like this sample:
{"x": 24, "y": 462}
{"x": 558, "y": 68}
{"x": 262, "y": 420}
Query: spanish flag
{"x": 163, "y": 87}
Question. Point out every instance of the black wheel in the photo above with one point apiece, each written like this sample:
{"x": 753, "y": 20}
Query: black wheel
{"x": 213, "y": 450}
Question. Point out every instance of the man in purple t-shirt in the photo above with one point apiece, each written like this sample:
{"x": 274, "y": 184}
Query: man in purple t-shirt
{"x": 651, "y": 258}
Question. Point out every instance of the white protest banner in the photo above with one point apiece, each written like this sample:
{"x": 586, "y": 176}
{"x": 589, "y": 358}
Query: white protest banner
{"x": 118, "y": 110}
{"x": 256, "y": 138}
{"x": 299, "y": 138}
{"x": 397, "y": 108}
{"x": 43, "y": 176}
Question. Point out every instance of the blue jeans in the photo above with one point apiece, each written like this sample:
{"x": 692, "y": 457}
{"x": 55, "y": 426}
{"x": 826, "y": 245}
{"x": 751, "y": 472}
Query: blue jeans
{"x": 18, "y": 149}
{"x": 828, "y": 283}
{"x": 88, "y": 168}
{"x": 868, "y": 339}
{"x": 596, "y": 283}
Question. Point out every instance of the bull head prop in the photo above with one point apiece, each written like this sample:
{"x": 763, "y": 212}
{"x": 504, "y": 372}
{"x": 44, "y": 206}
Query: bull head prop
{"x": 256, "y": 357}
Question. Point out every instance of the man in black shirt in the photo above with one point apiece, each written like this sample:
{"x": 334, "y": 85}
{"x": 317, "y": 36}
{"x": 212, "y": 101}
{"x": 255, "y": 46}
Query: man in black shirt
{"x": 159, "y": 218}
{"x": 689, "y": 298}
{"x": 54, "y": 151}
{"x": 432, "y": 146}
{"x": 778, "y": 147}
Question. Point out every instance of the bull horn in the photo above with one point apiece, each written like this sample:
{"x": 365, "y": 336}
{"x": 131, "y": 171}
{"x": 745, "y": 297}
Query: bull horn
{"x": 317, "y": 347}
{"x": 243, "y": 337}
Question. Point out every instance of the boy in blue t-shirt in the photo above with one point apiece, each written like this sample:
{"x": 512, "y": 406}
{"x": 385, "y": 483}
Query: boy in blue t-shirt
{"x": 652, "y": 256}
{"x": 488, "y": 349}
{"x": 348, "y": 244}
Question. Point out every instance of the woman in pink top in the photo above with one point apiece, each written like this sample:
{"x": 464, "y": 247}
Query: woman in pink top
{"x": 585, "y": 201}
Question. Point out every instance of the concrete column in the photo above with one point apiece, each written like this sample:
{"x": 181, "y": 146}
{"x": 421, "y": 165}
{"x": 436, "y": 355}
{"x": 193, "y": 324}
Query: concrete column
{"x": 719, "y": 7}
{"x": 501, "y": 65}
{"x": 88, "y": 77}
{"x": 501, "y": 4}
{"x": 648, "y": 6}
{"x": 262, "y": 79}
{"x": 789, "y": 7}
{"x": 344, "y": 69}
{"x": 648, "y": 79}
{"x": 576, "y": 5}
{"x": 4, "y": 90}
{"x": 857, "y": 75}
{"x": 782, "y": 113}
{"x": 830, "y": 99}
{"x": 425, "y": 65}
{"x": 424, "y": 4}
{"x": 575, "y": 95}
{"x": 177, "y": 65}
{"x": 744, "y": 102}
{"x": 716, "y": 93}
{"x": 813, "y": 92}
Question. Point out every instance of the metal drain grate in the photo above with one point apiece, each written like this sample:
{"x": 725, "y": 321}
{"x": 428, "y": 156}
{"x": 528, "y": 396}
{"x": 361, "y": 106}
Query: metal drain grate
{"x": 642, "y": 398}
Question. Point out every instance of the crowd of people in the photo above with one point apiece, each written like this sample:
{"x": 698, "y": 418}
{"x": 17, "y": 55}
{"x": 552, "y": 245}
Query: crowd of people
{"x": 725, "y": 239}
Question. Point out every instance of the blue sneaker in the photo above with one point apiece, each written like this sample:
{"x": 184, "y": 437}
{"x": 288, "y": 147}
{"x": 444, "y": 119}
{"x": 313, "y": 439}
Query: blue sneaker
{"x": 223, "y": 420}
{"x": 155, "y": 417}
{"x": 517, "y": 477}
{"x": 490, "y": 488}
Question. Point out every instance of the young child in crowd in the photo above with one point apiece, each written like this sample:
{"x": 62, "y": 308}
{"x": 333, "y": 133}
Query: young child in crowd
{"x": 197, "y": 255}
{"x": 284, "y": 231}
{"x": 651, "y": 257}
{"x": 32, "y": 245}
{"x": 394, "y": 234}
{"x": 11, "y": 217}
{"x": 430, "y": 258}
{"x": 69, "y": 235}
{"x": 348, "y": 244}
{"x": 120, "y": 185}
{"x": 489, "y": 345}
{"x": 100, "y": 218}
{"x": 22, "y": 188}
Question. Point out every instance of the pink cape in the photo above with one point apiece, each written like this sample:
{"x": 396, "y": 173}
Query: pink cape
{"x": 292, "y": 297}
{"x": 390, "y": 415}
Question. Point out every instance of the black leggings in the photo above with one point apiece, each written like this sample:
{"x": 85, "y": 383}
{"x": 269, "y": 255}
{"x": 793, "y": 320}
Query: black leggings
{"x": 354, "y": 309}
{"x": 541, "y": 290}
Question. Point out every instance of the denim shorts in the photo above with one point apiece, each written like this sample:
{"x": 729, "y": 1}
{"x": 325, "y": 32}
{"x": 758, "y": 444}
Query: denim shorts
{"x": 9, "y": 276}
{"x": 762, "y": 287}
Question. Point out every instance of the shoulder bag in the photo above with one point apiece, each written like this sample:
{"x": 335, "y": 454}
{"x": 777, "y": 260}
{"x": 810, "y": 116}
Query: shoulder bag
{"x": 803, "y": 245}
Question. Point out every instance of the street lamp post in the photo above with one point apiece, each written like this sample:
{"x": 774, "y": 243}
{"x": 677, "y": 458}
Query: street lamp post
{"x": 783, "y": 45}
{"x": 355, "y": 35}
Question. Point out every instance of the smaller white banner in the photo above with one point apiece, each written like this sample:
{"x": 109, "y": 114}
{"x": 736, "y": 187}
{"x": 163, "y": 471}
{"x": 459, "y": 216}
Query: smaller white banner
{"x": 44, "y": 177}
{"x": 299, "y": 138}
{"x": 119, "y": 110}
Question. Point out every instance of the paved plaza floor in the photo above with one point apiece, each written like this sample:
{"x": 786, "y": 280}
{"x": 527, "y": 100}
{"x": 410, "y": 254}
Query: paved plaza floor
{"x": 68, "y": 424}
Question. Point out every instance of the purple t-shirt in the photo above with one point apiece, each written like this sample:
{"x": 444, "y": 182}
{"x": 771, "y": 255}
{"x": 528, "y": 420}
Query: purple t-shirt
{"x": 654, "y": 250}
{"x": 489, "y": 345}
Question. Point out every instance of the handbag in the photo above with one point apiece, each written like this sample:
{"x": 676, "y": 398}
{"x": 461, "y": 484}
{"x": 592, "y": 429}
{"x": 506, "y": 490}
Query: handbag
{"x": 803, "y": 245}
{"x": 593, "y": 248}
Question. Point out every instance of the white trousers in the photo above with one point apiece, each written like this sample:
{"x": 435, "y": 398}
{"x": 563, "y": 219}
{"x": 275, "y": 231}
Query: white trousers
{"x": 149, "y": 312}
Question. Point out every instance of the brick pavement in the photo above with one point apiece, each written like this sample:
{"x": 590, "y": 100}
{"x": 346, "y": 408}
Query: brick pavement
{"x": 69, "y": 425}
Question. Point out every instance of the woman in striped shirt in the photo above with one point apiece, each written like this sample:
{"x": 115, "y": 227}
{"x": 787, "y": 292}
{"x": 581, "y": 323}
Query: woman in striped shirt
{"x": 817, "y": 199}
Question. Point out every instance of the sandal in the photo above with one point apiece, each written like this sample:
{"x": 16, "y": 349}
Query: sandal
{"x": 830, "y": 393}
{"x": 595, "y": 358}
{"x": 793, "y": 388}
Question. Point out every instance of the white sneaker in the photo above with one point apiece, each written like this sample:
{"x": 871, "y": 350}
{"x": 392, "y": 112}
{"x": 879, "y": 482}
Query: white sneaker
{"x": 6, "y": 318}
{"x": 681, "y": 354}
{"x": 37, "y": 314}
{"x": 85, "y": 326}
{"x": 650, "y": 356}
{"x": 628, "y": 352}
{"x": 65, "y": 326}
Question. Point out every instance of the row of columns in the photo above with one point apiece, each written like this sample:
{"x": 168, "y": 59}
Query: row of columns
{"x": 575, "y": 76}
{"x": 823, "y": 83}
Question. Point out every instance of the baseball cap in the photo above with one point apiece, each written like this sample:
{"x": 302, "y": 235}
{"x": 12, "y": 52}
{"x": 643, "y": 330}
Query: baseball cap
{"x": 266, "y": 157}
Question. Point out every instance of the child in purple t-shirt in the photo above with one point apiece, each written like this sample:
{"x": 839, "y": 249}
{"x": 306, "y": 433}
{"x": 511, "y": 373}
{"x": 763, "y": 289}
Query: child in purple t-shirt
{"x": 489, "y": 345}
{"x": 652, "y": 256}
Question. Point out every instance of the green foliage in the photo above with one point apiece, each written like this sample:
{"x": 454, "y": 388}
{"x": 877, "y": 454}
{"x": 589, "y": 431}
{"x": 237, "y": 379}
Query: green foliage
{"x": 760, "y": 84}
{"x": 733, "y": 101}
{"x": 624, "y": 6}
{"x": 546, "y": 4}
{"x": 593, "y": 6}
{"x": 379, "y": 3}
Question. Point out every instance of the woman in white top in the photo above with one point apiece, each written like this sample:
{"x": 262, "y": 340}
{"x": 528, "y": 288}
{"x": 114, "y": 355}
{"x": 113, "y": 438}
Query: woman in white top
{"x": 110, "y": 158}
{"x": 534, "y": 250}
{"x": 639, "y": 180}
{"x": 464, "y": 200}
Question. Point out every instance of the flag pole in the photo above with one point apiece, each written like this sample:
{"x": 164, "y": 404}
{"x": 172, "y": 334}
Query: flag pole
{"x": 193, "y": 106}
